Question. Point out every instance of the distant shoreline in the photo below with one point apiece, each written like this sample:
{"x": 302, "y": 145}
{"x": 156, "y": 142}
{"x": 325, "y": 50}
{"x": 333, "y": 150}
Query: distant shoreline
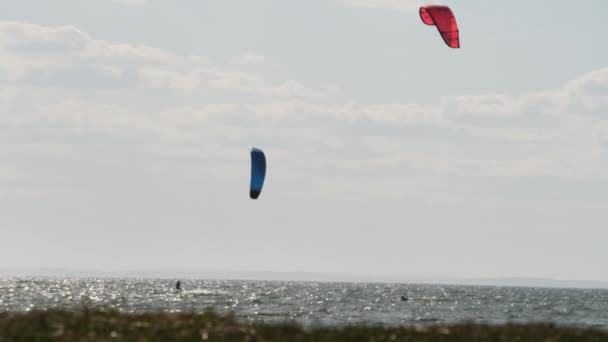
{"x": 303, "y": 276}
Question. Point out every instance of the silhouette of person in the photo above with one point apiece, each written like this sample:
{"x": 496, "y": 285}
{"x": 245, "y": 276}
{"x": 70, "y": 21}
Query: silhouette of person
{"x": 178, "y": 286}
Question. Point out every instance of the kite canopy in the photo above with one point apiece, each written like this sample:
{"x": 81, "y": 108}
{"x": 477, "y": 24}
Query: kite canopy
{"x": 443, "y": 18}
{"x": 258, "y": 172}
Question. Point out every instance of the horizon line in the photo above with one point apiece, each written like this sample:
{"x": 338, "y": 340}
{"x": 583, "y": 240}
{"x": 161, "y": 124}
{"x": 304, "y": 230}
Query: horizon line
{"x": 274, "y": 275}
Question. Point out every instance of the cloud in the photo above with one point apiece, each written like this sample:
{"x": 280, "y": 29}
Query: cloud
{"x": 486, "y": 109}
{"x": 68, "y": 57}
{"x": 68, "y": 96}
{"x": 34, "y": 39}
{"x": 593, "y": 84}
{"x": 590, "y": 92}
{"x": 584, "y": 95}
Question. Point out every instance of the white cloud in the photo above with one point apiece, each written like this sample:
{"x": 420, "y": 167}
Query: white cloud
{"x": 590, "y": 92}
{"x": 211, "y": 111}
{"x": 585, "y": 94}
{"x": 480, "y": 109}
{"x": 68, "y": 57}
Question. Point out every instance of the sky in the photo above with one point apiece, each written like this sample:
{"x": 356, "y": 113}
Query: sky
{"x": 125, "y": 128}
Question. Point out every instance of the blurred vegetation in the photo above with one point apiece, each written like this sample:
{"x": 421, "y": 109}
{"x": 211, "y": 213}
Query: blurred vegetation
{"x": 98, "y": 325}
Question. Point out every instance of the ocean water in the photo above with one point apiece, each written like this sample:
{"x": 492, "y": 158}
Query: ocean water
{"x": 314, "y": 303}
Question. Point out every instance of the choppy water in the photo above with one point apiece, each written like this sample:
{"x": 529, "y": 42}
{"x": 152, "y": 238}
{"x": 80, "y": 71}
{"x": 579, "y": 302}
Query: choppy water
{"x": 312, "y": 303}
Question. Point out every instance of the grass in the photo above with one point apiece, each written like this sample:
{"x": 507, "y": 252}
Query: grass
{"x": 96, "y": 325}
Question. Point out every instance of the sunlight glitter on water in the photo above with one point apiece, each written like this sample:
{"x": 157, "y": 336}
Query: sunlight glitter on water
{"x": 312, "y": 303}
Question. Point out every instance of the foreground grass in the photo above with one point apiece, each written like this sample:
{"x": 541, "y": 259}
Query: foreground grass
{"x": 114, "y": 326}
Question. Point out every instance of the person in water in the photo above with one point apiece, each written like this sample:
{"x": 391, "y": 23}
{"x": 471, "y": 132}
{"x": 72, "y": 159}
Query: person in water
{"x": 403, "y": 298}
{"x": 178, "y": 286}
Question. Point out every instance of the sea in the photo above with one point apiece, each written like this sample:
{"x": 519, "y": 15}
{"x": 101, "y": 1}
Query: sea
{"x": 314, "y": 303}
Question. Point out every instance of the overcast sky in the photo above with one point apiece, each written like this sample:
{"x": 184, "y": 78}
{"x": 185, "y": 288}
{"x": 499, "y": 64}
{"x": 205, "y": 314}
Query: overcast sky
{"x": 125, "y": 128}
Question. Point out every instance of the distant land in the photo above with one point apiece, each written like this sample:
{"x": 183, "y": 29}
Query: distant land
{"x": 301, "y": 276}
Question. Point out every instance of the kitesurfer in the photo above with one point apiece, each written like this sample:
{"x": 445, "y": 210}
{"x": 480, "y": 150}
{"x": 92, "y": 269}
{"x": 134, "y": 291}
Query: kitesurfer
{"x": 403, "y": 298}
{"x": 178, "y": 286}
